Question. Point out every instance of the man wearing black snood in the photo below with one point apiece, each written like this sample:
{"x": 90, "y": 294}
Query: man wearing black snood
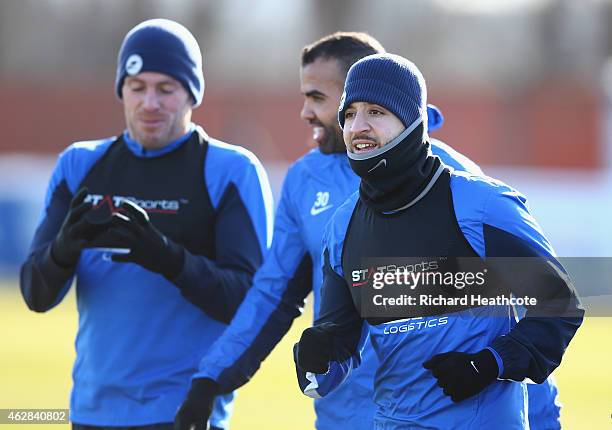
{"x": 451, "y": 364}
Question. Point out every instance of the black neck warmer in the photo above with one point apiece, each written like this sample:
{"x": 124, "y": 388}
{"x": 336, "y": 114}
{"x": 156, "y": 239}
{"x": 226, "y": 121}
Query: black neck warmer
{"x": 398, "y": 174}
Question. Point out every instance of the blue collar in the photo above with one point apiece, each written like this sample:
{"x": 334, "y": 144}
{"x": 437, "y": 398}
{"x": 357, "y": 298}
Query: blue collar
{"x": 138, "y": 150}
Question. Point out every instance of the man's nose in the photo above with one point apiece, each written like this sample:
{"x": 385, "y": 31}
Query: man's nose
{"x": 307, "y": 113}
{"x": 151, "y": 100}
{"x": 360, "y": 122}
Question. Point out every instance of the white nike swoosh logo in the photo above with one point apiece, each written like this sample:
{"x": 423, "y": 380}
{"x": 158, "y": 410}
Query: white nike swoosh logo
{"x": 383, "y": 162}
{"x": 474, "y": 366}
{"x": 316, "y": 211}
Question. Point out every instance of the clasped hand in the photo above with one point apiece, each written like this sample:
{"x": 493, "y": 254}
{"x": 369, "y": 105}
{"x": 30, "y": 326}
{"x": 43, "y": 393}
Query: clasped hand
{"x": 131, "y": 228}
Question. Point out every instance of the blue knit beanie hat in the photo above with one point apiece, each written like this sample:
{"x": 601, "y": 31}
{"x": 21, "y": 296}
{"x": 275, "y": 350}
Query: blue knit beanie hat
{"x": 390, "y": 81}
{"x": 164, "y": 46}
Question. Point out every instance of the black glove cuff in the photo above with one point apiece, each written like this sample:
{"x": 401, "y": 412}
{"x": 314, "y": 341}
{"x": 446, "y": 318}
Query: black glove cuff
{"x": 203, "y": 388}
{"x": 55, "y": 275}
{"x": 58, "y": 258}
{"x": 486, "y": 364}
{"x": 173, "y": 266}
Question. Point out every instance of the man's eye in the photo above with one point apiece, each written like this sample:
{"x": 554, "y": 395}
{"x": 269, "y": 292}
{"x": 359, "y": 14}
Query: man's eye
{"x": 315, "y": 98}
{"x": 166, "y": 90}
{"x": 375, "y": 112}
{"x": 349, "y": 114}
{"x": 137, "y": 88}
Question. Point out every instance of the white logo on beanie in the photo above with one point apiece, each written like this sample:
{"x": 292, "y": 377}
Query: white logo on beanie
{"x": 133, "y": 64}
{"x": 342, "y": 99}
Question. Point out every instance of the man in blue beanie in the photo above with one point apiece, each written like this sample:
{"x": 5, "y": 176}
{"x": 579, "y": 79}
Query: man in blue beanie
{"x": 450, "y": 356}
{"x": 162, "y": 227}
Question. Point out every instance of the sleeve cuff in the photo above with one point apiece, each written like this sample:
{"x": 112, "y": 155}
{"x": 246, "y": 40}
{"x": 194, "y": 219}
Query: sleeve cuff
{"x": 500, "y": 363}
{"x": 191, "y": 272}
{"x": 50, "y": 268}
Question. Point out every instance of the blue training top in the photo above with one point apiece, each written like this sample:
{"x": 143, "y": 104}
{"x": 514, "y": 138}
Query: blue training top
{"x": 140, "y": 335}
{"x": 494, "y": 221}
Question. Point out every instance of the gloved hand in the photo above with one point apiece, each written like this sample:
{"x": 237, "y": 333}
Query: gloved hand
{"x": 197, "y": 407}
{"x": 76, "y": 231}
{"x": 149, "y": 248}
{"x": 462, "y": 375}
{"x": 315, "y": 348}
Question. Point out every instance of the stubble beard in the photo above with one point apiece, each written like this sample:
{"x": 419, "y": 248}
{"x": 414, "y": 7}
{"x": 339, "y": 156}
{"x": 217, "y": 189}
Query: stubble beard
{"x": 334, "y": 142}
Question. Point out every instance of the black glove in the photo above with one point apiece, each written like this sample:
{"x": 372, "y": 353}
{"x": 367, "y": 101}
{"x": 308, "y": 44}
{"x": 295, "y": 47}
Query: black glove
{"x": 76, "y": 231}
{"x": 148, "y": 247}
{"x": 315, "y": 348}
{"x": 197, "y": 407}
{"x": 462, "y": 375}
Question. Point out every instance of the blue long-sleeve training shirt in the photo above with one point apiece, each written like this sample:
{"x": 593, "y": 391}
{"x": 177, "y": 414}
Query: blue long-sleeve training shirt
{"x": 140, "y": 336}
{"x": 461, "y": 215}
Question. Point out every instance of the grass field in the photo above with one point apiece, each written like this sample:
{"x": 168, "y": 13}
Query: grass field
{"x": 37, "y": 353}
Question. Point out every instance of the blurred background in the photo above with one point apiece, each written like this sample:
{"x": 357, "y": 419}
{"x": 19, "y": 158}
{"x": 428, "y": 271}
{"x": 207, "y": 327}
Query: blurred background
{"x": 525, "y": 87}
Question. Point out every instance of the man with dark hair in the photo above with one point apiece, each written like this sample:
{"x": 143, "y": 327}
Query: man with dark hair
{"x": 338, "y": 51}
{"x": 163, "y": 228}
{"x": 459, "y": 364}
{"x": 344, "y": 47}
